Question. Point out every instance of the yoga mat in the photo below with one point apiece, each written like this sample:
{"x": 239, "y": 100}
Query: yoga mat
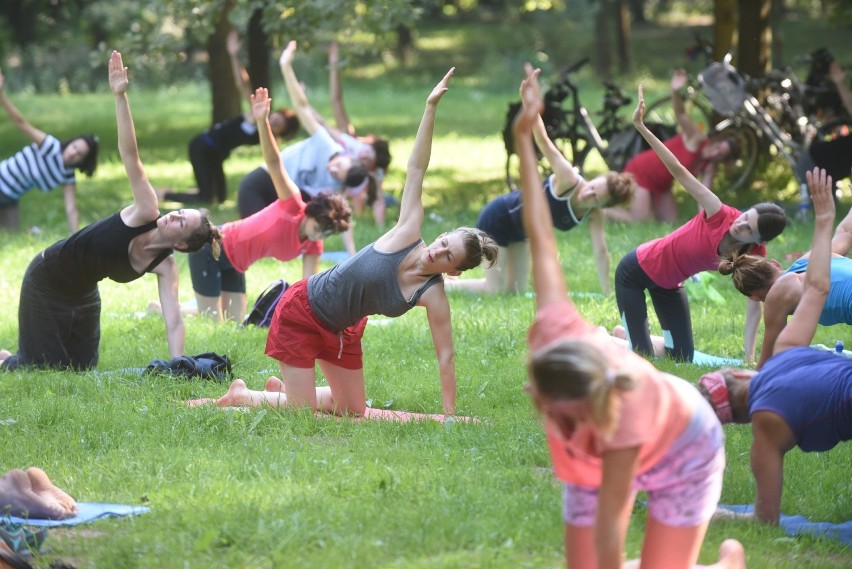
{"x": 702, "y": 359}
{"x": 89, "y": 512}
{"x": 335, "y": 256}
{"x": 795, "y": 525}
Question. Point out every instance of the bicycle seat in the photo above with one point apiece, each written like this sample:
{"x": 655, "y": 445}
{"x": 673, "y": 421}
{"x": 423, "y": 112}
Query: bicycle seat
{"x": 724, "y": 88}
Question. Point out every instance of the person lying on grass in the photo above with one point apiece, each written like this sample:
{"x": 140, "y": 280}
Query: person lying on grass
{"x": 781, "y": 291}
{"x": 322, "y": 319}
{"x": 662, "y": 265}
{"x": 615, "y": 424}
{"x": 60, "y": 307}
{"x": 571, "y": 200}
{"x": 31, "y": 494}
{"x": 801, "y": 396}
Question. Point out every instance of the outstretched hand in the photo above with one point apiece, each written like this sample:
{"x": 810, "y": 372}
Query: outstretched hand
{"x": 821, "y": 187}
{"x": 836, "y": 73}
{"x": 531, "y": 100}
{"x": 117, "y": 74}
{"x": 440, "y": 88}
{"x": 333, "y": 54}
{"x": 639, "y": 113}
{"x": 288, "y": 54}
{"x": 260, "y": 104}
{"x": 232, "y": 43}
{"x": 679, "y": 80}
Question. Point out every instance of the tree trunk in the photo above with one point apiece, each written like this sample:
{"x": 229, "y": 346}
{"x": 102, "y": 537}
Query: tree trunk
{"x": 622, "y": 19}
{"x": 603, "y": 20}
{"x": 724, "y": 28}
{"x": 225, "y": 95}
{"x": 754, "y": 54}
{"x": 258, "y": 51}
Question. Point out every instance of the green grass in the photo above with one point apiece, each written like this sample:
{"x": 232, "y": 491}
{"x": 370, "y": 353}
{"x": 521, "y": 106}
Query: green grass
{"x": 284, "y": 489}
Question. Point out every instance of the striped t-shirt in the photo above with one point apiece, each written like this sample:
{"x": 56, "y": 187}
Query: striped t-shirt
{"x": 34, "y": 167}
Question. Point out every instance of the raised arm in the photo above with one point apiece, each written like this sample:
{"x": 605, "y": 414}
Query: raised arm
{"x": 144, "y": 207}
{"x": 341, "y": 119}
{"x": 304, "y": 110}
{"x": 547, "y": 272}
{"x": 241, "y": 76}
{"x": 706, "y": 199}
{"x": 17, "y": 118}
{"x": 689, "y": 130}
{"x": 410, "y": 220}
{"x": 565, "y": 176}
{"x": 285, "y": 188}
{"x": 801, "y": 328}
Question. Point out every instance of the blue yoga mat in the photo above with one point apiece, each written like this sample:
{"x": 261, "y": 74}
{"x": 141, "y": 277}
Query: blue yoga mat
{"x": 335, "y": 256}
{"x": 702, "y": 359}
{"x": 795, "y": 525}
{"x": 88, "y": 512}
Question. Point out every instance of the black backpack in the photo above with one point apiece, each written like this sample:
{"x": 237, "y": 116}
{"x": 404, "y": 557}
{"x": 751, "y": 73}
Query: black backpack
{"x": 208, "y": 365}
{"x": 261, "y": 313}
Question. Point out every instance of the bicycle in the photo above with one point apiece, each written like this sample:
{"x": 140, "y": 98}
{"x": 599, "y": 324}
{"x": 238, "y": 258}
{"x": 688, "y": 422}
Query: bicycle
{"x": 573, "y": 131}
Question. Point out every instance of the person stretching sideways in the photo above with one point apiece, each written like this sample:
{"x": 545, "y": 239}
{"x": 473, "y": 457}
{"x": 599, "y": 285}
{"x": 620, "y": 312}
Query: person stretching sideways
{"x": 801, "y": 396}
{"x": 60, "y": 307}
{"x": 571, "y": 200}
{"x": 322, "y": 319}
{"x": 615, "y": 424}
{"x": 781, "y": 291}
{"x": 284, "y": 229}
{"x": 660, "y": 266}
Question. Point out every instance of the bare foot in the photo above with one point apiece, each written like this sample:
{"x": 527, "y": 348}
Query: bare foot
{"x": 731, "y": 555}
{"x": 47, "y": 490}
{"x": 619, "y": 332}
{"x": 4, "y": 354}
{"x": 274, "y": 384}
{"x": 237, "y": 394}
{"x": 154, "y": 307}
{"x": 18, "y": 497}
{"x": 200, "y": 402}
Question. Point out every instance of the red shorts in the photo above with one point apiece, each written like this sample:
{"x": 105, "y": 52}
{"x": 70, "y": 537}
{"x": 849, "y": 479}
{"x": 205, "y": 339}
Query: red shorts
{"x": 297, "y": 338}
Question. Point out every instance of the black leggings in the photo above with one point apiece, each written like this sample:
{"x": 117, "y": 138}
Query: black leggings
{"x": 671, "y": 306}
{"x": 208, "y": 167}
{"x": 257, "y": 191}
{"x": 54, "y": 331}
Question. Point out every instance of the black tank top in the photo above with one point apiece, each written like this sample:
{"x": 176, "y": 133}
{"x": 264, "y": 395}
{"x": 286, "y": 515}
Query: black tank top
{"x": 74, "y": 266}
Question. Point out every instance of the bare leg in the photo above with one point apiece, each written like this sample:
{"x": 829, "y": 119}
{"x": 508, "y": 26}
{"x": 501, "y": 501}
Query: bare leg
{"x": 4, "y": 355}
{"x": 345, "y": 394}
{"x": 665, "y": 208}
{"x": 517, "y": 267}
{"x": 210, "y": 306}
{"x": 238, "y": 395}
{"x": 657, "y": 341}
{"x": 234, "y": 305}
{"x": 20, "y": 497}
{"x": 731, "y": 556}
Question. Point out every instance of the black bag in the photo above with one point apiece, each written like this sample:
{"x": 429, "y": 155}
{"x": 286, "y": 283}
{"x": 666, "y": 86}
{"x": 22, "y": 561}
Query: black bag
{"x": 208, "y": 365}
{"x": 261, "y": 313}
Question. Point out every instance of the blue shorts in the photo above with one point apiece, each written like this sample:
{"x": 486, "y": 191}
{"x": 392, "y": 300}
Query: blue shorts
{"x": 211, "y": 277}
{"x": 501, "y": 219}
{"x": 683, "y": 488}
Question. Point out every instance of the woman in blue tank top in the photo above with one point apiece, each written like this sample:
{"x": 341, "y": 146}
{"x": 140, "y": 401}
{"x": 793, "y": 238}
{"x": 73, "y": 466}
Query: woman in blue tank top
{"x": 59, "y": 310}
{"x": 321, "y": 320}
{"x": 780, "y": 291}
{"x": 801, "y": 397}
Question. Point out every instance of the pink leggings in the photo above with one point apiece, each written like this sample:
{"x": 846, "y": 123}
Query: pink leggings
{"x": 683, "y": 487}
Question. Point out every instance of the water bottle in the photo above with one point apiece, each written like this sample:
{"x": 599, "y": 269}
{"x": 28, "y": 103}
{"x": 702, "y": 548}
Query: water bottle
{"x": 838, "y": 348}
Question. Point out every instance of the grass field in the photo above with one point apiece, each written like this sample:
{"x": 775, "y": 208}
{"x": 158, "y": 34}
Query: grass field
{"x": 284, "y": 489}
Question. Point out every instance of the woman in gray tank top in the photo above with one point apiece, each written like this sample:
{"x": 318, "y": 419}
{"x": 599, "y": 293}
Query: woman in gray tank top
{"x": 322, "y": 319}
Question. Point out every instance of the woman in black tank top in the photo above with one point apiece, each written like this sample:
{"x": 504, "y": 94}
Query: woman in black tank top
{"x": 59, "y": 311}
{"x": 323, "y": 320}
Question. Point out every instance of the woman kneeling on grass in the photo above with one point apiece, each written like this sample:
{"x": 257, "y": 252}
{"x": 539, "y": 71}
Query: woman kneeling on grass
{"x": 284, "y": 229}
{"x": 801, "y": 396}
{"x": 615, "y": 424}
{"x": 59, "y": 311}
{"x": 323, "y": 318}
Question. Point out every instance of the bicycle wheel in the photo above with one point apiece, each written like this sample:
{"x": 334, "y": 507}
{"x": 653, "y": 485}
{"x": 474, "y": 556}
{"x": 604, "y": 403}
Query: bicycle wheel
{"x": 735, "y": 175}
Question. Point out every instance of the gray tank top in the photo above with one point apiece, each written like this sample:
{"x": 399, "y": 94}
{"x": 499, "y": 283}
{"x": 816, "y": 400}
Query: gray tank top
{"x": 364, "y": 284}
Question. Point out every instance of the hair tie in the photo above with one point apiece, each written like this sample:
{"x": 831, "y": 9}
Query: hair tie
{"x": 714, "y": 383}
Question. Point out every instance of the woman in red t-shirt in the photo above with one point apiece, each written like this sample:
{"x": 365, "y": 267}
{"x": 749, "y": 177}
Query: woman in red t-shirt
{"x": 615, "y": 423}
{"x": 660, "y": 266}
